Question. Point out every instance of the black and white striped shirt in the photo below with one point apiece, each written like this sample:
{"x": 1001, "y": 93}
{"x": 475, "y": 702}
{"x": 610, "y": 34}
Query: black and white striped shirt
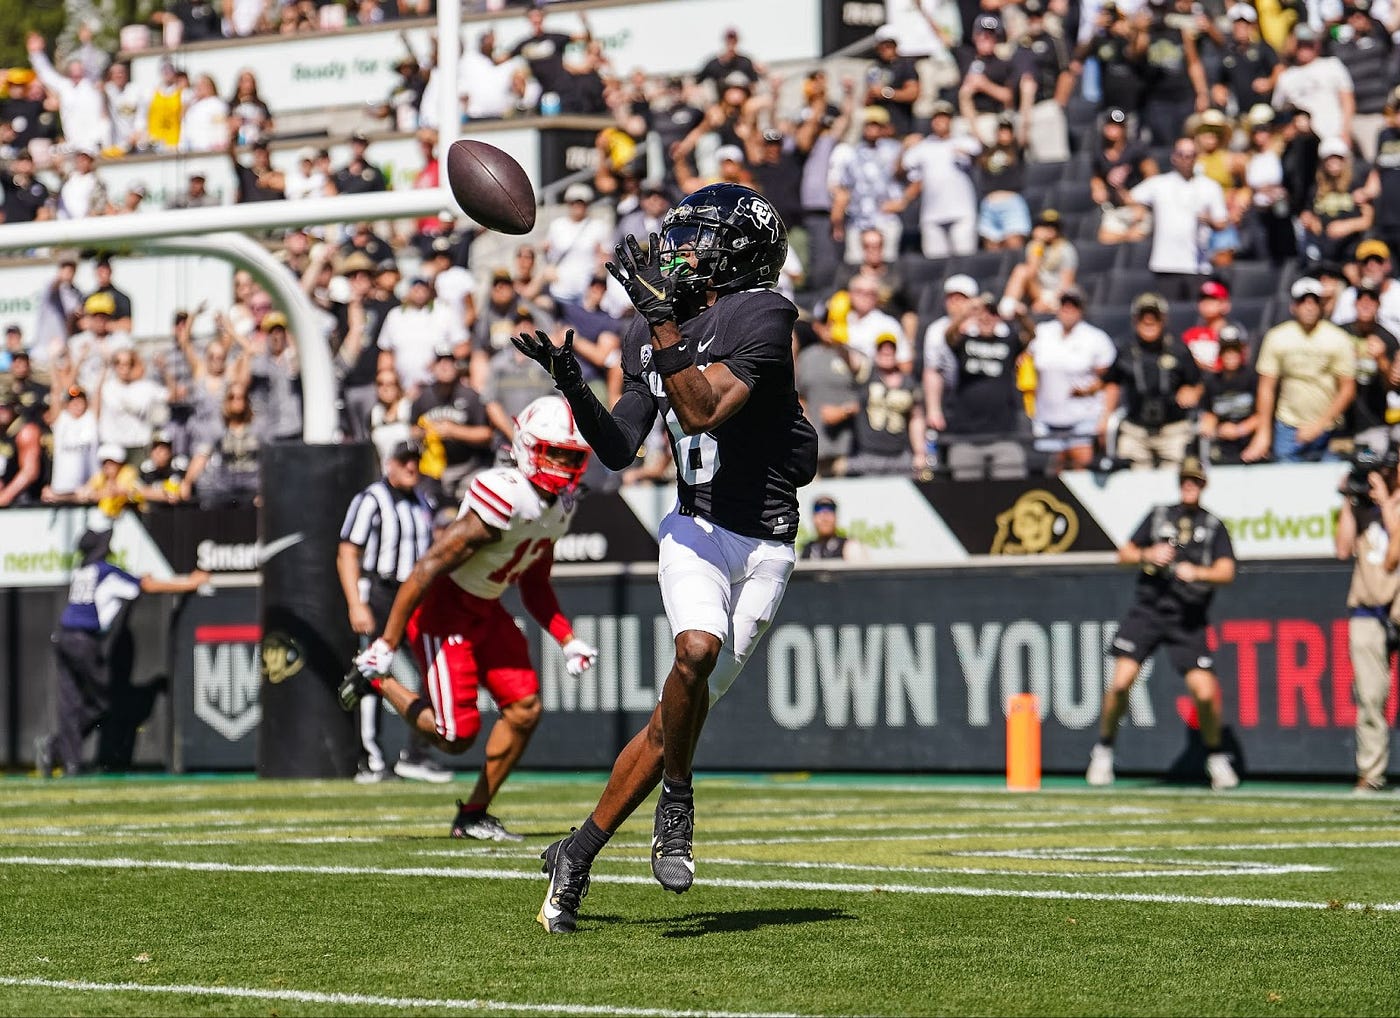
{"x": 393, "y": 529}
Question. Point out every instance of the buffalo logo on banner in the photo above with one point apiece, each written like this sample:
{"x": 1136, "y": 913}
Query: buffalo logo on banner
{"x": 1037, "y": 524}
{"x": 281, "y": 657}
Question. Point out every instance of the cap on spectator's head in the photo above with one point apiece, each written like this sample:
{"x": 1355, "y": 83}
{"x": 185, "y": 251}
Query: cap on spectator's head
{"x": 1356, "y": 7}
{"x": 444, "y": 352}
{"x": 1212, "y": 120}
{"x": 875, "y": 115}
{"x": 1242, "y": 12}
{"x": 306, "y": 154}
{"x": 95, "y": 545}
{"x": 405, "y": 452}
{"x": 1231, "y": 336}
{"x": 274, "y": 320}
{"x": 1072, "y": 295}
{"x": 1368, "y": 288}
{"x": 110, "y": 451}
{"x": 501, "y": 276}
{"x": 886, "y": 33}
{"x": 19, "y": 76}
{"x": 1149, "y": 304}
{"x": 11, "y": 329}
{"x": 358, "y": 137}
{"x": 86, "y": 151}
{"x": 442, "y": 247}
{"x": 988, "y": 299}
{"x": 1372, "y": 248}
{"x": 1333, "y": 147}
{"x": 1304, "y": 288}
{"x": 729, "y": 154}
{"x": 1304, "y": 35}
{"x": 100, "y": 303}
{"x": 1192, "y": 470}
{"x": 886, "y": 337}
{"x": 77, "y": 392}
{"x": 738, "y": 79}
{"x": 773, "y": 136}
{"x": 162, "y": 436}
{"x": 988, "y": 23}
{"x": 1214, "y": 289}
{"x": 578, "y": 192}
{"x": 420, "y": 281}
{"x": 653, "y": 185}
{"x": 731, "y": 32}
{"x": 1326, "y": 270}
{"x": 1033, "y": 8}
{"x": 357, "y": 261}
{"x": 823, "y": 504}
{"x": 387, "y": 265}
{"x": 260, "y": 145}
{"x": 1005, "y": 121}
{"x": 961, "y": 284}
{"x": 1049, "y": 217}
{"x": 941, "y": 108}
{"x": 1115, "y": 116}
{"x": 1259, "y": 115}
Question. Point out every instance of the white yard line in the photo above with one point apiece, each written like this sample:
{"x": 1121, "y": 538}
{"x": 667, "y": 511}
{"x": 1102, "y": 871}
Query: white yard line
{"x": 363, "y": 1000}
{"x": 735, "y": 884}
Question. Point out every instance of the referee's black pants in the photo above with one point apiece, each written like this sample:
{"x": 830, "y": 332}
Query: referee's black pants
{"x": 84, "y": 692}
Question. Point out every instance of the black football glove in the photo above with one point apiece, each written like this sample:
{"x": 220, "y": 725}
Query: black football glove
{"x": 559, "y": 361}
{"x": 653, "y": 293}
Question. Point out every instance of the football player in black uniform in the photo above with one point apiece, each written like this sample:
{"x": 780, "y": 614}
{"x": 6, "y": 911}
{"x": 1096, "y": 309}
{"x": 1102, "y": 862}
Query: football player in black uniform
{"x": 710, "y": 351}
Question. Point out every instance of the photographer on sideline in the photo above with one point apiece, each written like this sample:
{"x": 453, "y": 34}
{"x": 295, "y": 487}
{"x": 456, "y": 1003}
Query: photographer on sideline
{"x": 1182, "y": 553}
{"x": 1368, "y": 530}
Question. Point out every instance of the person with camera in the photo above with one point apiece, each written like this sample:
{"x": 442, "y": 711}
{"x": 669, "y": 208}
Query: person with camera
{"x": 1182, "y": 553}
{"x": 1368, "y": 531}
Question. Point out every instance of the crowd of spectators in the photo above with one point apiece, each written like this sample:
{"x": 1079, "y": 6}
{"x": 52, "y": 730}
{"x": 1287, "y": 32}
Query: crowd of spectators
{"x": 1027, "y": 238}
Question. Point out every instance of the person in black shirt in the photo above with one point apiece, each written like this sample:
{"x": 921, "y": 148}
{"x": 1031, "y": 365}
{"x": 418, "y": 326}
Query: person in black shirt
{"x": 729, "y": 60}
{"x": 1364, "y": 47}
{"x": 451, "y": 419}
{"x": 1044, "y": 87}
{"x": 984, "y": 411}
{"x": 199, "y": 19}
{"x": 1004, "y": 219}
{"x": 257, "y": 181}
{"x": 988, "y": 82}
{"x": 1382, "y": 187}
{"x": 889, "y": 427}
{"x": 1227, "y": 408}
{"x": 1120, "y": 164}
{"x": 776, "y": 166}
{"x": 26, "y": 197}
{"x": 705, "y": 297}
{"x": 1182, "y": 553}
{"x": 672, "y": 117}
{"x": 1176, "y": 80}
{"x": 1375, "y": 354}
{"x": 359, "y": 175}
{"x": 121, "y": 313}
{"x": 1249, "y": 67}
{"x": 1123, "y": 70}
{"x": 1157, "y": 381}
{"x": 827, "y": 541}
{"x": 892, "y": 82}
{"x": 544, "y": 52}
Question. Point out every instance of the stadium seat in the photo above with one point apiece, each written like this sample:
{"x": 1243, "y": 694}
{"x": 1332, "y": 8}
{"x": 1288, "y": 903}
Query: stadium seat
{"x": 1122, "y": 285}
{"x": 1042, "y": 174}
{"x": 985, "y": 266}
{"x": 1036, "y": 196}
{"x": 1116, "y": 321}
{"x": 1250, "y": 313}
{"x": 1252, "y": 279}
{"x": 1095, "y": 260}
{"x": 1071, "y": 196}
{"x": 916, "y": 269}
{"x": 1134, "y": 256}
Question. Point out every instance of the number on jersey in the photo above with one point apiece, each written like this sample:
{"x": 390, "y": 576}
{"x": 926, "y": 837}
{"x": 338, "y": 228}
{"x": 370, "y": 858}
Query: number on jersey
{"x": 697, "y": 456}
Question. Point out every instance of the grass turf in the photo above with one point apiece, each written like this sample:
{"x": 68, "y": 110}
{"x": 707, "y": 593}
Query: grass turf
{"x": 815, "y": 896}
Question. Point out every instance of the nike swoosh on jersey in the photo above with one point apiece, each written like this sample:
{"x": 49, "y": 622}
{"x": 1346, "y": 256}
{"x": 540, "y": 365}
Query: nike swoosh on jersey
{"x": 704, "y": 345}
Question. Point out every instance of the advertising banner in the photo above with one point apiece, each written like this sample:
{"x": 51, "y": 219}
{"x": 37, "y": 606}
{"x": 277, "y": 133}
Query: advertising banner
{"x": 215, "y": 694}
{"x": 848, "y": 21}
{"x": 357, "y": 65}
{"x": 39, "y": 547}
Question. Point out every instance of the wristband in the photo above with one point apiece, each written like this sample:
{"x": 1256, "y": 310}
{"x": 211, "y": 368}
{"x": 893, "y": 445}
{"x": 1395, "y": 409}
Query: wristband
{"x": 669, "y": 360}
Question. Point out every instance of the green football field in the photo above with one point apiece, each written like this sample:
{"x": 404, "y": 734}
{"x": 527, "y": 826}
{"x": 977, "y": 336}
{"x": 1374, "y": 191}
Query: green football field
{"x": 815, "y": 896}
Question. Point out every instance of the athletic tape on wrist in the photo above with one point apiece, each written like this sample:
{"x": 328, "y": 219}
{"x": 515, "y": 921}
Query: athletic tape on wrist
{"x": 669, "y": 360}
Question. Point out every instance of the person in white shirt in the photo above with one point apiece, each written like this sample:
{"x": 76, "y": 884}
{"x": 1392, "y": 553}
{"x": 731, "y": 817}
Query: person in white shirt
{"x": 82, "y": 193}
{"x": 574, "y": 246}
{"x": 1373, "y": 256}
{"x": 126, "y": 106}
{"x": 455, "y": 288}
{"x": 81, "y": 104}
{"x": 305, "y": 181}
{"x": 410, "y": 333}
{"x": 1071, "y": 358}
{"x": 940, "y": 367}
{"x": 483, "y": 84}
{"x": 131, "y": 404}
{"x": 1320, "y": 85}
{"x": 1186, "y": 207}
{"x": 74, "y": 440}
{"x": 204, "y": 127}
{"x": 937, "y": 167}
{"x": 866, "y": 323}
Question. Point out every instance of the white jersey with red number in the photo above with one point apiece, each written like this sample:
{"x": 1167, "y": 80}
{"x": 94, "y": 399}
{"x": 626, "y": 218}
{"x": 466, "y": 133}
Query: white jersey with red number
{"x": 506, "y": 500}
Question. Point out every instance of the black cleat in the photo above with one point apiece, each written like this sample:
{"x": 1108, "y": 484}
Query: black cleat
{"x": 672, "y": 862}
{"x": 568, "y": 886}
{"x": 480, "y": 825}
{"x": 352, "y": 689}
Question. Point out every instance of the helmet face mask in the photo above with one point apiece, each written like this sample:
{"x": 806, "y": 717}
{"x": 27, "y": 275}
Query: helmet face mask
{"x": 724, "y": 237}
{"x": 548, "y": 447}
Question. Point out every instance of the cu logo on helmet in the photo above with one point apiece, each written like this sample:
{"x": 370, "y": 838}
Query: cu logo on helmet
{"x": 761, "y": 214}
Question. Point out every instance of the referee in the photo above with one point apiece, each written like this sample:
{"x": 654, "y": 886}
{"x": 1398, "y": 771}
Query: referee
{"x": 387, "y": 528}
{"x": 96, "y": 612}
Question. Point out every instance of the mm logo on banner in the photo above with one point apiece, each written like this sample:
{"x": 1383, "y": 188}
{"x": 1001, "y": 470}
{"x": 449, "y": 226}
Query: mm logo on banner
{"x": 226, "y": 678}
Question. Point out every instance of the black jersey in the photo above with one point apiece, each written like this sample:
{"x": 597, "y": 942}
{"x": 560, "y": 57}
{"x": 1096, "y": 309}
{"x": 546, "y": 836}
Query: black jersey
{"x": 744, "y": 475}
{"x": 1198, "y": 537}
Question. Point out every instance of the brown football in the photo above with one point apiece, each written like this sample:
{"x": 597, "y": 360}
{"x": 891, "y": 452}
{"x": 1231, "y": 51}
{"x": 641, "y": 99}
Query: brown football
{"x": 491, "y": 187}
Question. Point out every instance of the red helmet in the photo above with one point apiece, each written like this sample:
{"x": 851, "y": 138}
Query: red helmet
{"x": 548, "y": 447}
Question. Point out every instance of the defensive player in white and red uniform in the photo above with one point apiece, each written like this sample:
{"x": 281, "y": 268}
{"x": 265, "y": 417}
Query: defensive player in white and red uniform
{"x": 448, "y": 612}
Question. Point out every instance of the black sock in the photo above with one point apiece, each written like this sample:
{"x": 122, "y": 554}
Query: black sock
{"x": 1107, "y": 740}
{"x": 587, "y": 841}
{"x": 673, "y": 789}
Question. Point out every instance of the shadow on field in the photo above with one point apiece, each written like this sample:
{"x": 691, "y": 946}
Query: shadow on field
{"x": 698, "y": 924}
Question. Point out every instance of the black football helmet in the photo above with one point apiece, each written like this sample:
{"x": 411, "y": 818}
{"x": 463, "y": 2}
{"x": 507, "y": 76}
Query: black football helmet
{"x": 736, "y": 234}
